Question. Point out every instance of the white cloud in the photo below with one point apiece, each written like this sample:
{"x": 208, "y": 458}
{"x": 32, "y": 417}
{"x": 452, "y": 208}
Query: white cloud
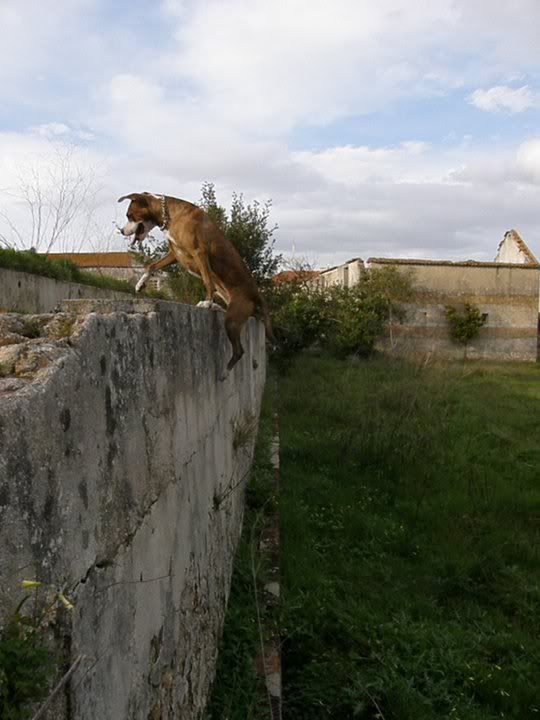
{"x": 215, "y": 94}
{"x": 501, "y": 97}
{"x": 528, "y": 160}
{"x": 51, "y": 130}
{"x": 351, "y": 165}
{"x": 270, "y": 66}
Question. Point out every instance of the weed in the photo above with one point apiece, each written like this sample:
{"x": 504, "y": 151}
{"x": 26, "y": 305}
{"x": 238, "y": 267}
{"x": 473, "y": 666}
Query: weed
{"x": 244, "y": 432}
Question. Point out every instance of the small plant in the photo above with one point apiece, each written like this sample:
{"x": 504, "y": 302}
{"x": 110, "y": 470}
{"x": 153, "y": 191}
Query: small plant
{"x": 26, "y": 662}
{"x": 244, "y": 432}
{"x": 464, "y": 325}
{"x": 30, "y": 328}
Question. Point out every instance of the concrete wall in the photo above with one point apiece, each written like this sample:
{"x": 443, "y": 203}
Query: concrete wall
{"x": 121, "y": 481}
{"x": 24, "y": 292}
{"x": 507, "y": 294}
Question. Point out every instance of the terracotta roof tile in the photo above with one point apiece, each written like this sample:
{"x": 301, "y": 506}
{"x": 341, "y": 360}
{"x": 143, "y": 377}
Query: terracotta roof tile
{"x": 292, "y": 275}
{"x": 94, "y": 260}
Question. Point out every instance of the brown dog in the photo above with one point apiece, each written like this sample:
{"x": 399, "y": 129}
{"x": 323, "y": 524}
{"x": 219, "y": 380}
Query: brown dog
{"x": 199, "y": 245}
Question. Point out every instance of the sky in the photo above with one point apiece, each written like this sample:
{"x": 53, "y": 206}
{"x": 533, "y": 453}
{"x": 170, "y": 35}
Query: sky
{"x": 394, "y": 128}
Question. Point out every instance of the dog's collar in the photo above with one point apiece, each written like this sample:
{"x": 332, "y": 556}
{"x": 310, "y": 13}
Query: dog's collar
{"x": 166, "y": 218}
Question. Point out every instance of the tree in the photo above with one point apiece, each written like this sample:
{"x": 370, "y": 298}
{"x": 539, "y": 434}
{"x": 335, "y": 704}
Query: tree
{"x": 56, "y": 202}
{"x": 247, "y": 228}
{"x": 362, "y": 312}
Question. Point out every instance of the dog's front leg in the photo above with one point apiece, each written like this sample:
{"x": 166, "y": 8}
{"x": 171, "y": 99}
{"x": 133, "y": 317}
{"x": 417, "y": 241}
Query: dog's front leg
{"x": 168, "y": 259}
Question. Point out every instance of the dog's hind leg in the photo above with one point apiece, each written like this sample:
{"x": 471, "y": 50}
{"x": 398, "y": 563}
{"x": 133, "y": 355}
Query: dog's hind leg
{"x": 237, "y": 314}
{"x": 206, "y": 276}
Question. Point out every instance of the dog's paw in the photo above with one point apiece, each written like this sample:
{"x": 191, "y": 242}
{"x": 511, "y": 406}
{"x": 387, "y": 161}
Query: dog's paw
{"x": 142, "y": 282}
{"x": 205, "y": 304}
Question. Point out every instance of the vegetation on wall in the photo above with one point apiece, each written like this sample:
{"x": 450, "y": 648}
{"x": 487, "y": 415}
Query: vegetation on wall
{"x": 464, "y": 324}
{"x": 58, "y": 269}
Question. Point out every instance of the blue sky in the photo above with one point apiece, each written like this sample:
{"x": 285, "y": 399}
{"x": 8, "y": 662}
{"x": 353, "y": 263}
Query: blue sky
{"x": 394, "y": 128}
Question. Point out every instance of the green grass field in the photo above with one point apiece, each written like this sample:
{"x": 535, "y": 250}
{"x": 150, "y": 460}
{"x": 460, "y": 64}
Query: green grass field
{"x": 410, "y": 514}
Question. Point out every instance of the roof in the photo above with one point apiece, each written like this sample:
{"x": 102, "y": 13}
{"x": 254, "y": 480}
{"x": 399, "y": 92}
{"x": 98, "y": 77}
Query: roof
{"x": 521, "y": 244}
{"x": 93, "y": 260}
{"x": 292, "y": 275}
{"x": 452, "y": 263}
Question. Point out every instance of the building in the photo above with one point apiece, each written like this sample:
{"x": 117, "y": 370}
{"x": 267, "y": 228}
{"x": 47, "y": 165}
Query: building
{"x": 507, "y": 293}
{"x": 347, "y": 274}
{"x": 513, "y": 249}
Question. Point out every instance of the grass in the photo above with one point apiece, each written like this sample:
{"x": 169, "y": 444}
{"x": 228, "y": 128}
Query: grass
{"x": 410, "y": 510}
{"x": 236, "y": 694}
{"x": 31, "y": 262}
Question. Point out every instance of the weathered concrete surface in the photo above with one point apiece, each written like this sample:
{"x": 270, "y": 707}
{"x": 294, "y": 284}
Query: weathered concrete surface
{"x": 24, "y": 292}
{"x": 120, "y": 481}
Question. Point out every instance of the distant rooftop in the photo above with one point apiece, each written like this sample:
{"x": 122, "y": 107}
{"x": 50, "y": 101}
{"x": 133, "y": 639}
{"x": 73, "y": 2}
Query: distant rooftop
{"x": 100, "y": 259}
{"x": 292, "y": 275}
{"x": 521, "y": 244}
{"x": 452, "y": 263}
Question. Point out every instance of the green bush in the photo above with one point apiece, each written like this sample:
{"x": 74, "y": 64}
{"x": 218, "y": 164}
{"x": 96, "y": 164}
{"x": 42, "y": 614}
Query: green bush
{"x": 464, "y": 325}
{"x": 300, "y": 317}
{"x": 346, "y": 321}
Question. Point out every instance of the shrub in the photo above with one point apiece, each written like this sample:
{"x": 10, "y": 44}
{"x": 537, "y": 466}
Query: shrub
{"x": 464, "y": 325}
{"x": 347, "y": 321}
{"x": 300, "y": 317}
{"x": 26, "y": 663}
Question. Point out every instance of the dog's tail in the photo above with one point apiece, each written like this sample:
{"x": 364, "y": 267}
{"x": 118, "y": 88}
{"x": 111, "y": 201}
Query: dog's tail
{"x": 265, "y": 317}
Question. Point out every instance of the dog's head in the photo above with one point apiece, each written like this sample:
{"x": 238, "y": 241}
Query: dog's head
{"x": 141, "y": 214}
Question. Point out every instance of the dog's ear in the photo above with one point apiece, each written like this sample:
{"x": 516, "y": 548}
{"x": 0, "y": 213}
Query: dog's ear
{"x": 134, "y": 196}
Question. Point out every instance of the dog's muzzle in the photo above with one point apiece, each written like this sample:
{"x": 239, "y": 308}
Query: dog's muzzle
{"x": 132, "y": 228}
{"x": 136, "y": 229}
